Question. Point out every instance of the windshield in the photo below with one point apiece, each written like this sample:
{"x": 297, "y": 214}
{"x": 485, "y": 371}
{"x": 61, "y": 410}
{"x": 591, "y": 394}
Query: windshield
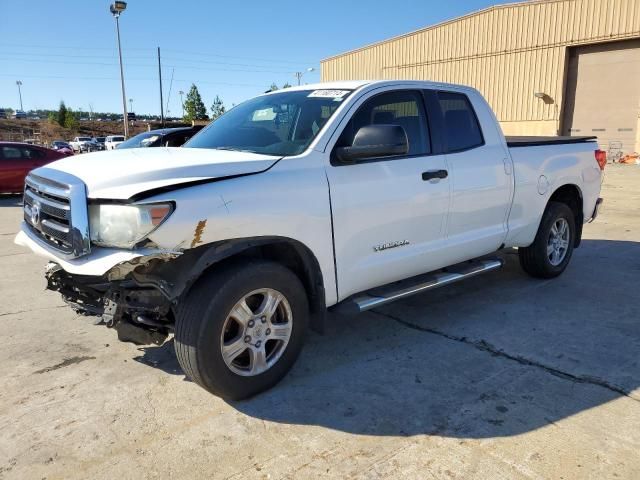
{"x": 141, "y": 140}
{"x": 84, "y": 139}
{"x": 282, "y": 124}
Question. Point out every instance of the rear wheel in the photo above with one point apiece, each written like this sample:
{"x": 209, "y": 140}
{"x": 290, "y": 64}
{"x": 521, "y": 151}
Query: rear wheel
{"x": 550, "y": 252}
{"x": 241, "y": 329}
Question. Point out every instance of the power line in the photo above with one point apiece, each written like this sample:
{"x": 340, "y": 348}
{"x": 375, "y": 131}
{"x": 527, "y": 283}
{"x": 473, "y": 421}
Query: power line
{"x": 130, "y": 64}
{"x": 128, "y": 57}
{"x": 150, "y": 49}
{"x": 67, "y": 77}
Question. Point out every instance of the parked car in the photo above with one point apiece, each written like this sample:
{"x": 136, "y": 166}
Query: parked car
{"x": 62, "y": 147}
{"x": 112, "y": 141}
{"x": 18, "y": 159}
{"x": 345, "y": 195}
{"x": 163, "y": 137}
{"x": 3, "y": 113}
{"x": 81, "y": 144}
{"x": 18, "y": 114}
{"x": 101, "y": 141}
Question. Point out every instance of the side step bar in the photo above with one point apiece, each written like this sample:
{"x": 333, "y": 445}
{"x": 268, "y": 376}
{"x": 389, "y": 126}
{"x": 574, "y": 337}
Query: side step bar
{"x": 404, "y": 288}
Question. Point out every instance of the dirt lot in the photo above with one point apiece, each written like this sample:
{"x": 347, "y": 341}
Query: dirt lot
{"x": 499, "y": 377}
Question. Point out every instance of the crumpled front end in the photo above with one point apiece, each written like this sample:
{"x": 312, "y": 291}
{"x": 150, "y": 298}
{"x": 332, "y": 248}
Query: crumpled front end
{"x": 130, "y": 297}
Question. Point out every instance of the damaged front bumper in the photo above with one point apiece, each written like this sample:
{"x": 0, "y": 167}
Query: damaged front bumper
{"x": 120, "y": 287}
{"x": 140, "y": 313}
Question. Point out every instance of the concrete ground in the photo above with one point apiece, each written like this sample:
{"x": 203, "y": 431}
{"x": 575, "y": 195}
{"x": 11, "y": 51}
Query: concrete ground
{"x": 503, "y": 376}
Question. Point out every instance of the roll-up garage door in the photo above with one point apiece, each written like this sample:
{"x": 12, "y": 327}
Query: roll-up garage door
{"x": 603, "y": 95}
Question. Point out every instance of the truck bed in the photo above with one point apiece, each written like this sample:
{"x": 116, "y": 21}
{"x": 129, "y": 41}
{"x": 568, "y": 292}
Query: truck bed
{"x": 521, "y": 141}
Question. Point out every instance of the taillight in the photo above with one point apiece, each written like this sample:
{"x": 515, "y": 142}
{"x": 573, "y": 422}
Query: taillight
{"x": 601, "y": 158}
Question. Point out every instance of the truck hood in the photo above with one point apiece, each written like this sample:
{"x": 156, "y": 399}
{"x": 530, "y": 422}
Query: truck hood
{"x": 121, "y": 174}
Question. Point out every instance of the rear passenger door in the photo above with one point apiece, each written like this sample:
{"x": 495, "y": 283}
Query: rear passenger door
{"x": 481, "y": 176}
{"x": 388, "y": 213}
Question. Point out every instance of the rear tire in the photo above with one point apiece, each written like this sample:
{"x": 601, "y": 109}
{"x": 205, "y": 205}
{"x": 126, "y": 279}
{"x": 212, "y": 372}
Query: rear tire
{"x": 550, "y": 252}
{"x": 233, "y": 351}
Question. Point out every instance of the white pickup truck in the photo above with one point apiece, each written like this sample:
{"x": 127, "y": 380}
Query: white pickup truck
{"x": 112, "y": 141}
{"x": 342, "y": 195}
{"x": 80, "y": 144}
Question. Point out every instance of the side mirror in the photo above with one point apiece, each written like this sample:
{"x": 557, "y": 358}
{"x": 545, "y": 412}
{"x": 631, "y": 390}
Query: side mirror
{"x": 375, "y": 141}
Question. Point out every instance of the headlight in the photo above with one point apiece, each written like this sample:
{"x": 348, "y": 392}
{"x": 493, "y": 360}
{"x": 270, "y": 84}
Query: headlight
{"x": 125, "y": 225}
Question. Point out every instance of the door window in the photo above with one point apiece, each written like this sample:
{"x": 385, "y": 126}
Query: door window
{"x": 32, "y": 153}
{"x": 11, "y": 153}
{"x": 462, "y": 130}
{"x": 403, "y": 108}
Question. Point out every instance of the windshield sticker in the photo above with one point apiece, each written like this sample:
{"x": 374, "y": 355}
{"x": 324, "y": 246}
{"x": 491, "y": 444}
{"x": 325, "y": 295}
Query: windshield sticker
{"x": 337, "y": 95}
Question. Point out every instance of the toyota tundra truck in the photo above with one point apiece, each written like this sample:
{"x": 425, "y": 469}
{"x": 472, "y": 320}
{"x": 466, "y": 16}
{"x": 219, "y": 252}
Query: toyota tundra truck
{"x": 337, "y": 196}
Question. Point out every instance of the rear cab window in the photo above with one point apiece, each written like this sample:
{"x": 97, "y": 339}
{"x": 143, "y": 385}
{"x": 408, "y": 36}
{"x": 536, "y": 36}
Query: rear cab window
{"x": 461, "y": 127}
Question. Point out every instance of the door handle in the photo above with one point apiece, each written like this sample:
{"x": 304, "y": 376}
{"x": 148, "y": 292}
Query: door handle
{"x": 434, "y": 174}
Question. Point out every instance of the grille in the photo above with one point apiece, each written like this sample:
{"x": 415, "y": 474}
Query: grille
{"x": 47, "y": 212}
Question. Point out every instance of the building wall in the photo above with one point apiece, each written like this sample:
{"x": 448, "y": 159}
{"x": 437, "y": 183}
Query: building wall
{"x": 508, "y": 52}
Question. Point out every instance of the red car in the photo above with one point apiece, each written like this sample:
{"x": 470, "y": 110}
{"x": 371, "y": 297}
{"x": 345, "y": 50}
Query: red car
{"x": 18, "y": 159}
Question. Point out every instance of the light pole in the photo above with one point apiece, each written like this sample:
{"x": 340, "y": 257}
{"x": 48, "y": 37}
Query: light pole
{"x": 131, "y": 104}
{"x": 116, "y": 9}
{"x": 19, "y": 84}
{"x": 299, "y": 75}
{"x": 181, "y": 93}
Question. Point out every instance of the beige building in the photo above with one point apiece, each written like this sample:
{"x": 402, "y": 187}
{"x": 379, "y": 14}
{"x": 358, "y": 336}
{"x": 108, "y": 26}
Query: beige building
{"x": 546, "y": 67}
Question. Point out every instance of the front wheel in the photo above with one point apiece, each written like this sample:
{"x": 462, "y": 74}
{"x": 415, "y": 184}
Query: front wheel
{"x": 550, "y": 252}
{"x": 241, "y": 329}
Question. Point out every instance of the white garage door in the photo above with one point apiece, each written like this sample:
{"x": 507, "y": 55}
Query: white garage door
{"x": 603, "y": 94}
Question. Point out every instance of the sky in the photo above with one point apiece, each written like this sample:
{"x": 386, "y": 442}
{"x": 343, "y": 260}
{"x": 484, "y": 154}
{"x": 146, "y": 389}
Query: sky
{"x": 67, "y": 50}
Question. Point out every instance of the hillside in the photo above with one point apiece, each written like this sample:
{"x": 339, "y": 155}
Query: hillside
{"x": 45, "y": 132}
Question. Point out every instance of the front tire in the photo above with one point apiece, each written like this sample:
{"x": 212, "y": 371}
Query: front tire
{"x": 550, "y": 252}
{"x": 241, "y": 328}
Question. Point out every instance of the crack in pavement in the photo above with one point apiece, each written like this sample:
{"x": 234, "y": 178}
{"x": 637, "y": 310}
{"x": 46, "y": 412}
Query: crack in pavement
{"x": 485, "y": 346}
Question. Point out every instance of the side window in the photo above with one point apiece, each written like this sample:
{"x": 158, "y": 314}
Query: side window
{"x": 11, "y": 153}
{"x": 175, "y": 140}
{"x": 462, "y": 131}
{"x": 404, "y": 108}
{"x": 32, "y": 153}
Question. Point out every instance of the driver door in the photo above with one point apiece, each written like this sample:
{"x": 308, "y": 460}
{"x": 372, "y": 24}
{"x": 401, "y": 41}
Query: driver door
{"x": 389, "y": 214}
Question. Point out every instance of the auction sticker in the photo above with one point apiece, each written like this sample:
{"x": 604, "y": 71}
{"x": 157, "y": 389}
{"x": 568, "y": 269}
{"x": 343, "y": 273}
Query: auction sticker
{"x": 335, "y": 94}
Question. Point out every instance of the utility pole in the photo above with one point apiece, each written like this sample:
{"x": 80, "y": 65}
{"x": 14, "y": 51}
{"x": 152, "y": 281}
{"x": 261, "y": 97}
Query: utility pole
{"x": 299, "y": 75}
{"x": 182, "y": 102}
{"x": 160, "y": 77}
{"x": 131, "y": 104}
{"x": 19, "y": 83}
{"x": 116, "y": 9}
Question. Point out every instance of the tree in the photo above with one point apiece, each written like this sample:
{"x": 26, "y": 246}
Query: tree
{"x": 62, "y": 114}
{"x": 70, "y": 120}
{"x": 286, "y": 85}
{"x": 273, "y": 87}
{"x": 217, "y": 108}
{"x": 194, "y": 108}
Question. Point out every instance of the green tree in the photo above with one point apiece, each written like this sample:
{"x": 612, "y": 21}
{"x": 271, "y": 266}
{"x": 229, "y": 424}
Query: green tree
{"x": 217, "y": 108}
{"x": 70, "y": 120}
{"x": 62, "y": 114}
{"x": 273, "y": 87}
{"x": 286, "y": 85}
{"x": 194, "y": 108}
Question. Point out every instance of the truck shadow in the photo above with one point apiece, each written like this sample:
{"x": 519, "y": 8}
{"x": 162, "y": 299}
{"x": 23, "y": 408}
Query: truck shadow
{"x": 499, "y": 355}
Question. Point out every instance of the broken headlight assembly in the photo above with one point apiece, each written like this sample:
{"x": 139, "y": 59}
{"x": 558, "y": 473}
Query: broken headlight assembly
{"x": 123, "y": 226}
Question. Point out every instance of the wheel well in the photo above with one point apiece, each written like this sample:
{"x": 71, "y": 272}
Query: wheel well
{"x": 288, "y": 252}
{"x": 571, "y": 196}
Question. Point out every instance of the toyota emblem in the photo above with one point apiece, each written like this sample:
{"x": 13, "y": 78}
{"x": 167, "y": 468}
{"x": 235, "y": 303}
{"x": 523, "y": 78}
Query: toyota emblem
{"x": 35, "y": 214}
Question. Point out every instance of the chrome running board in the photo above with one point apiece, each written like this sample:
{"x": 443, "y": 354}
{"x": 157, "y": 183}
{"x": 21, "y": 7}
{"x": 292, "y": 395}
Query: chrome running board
{"x": 404, "y": 288}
